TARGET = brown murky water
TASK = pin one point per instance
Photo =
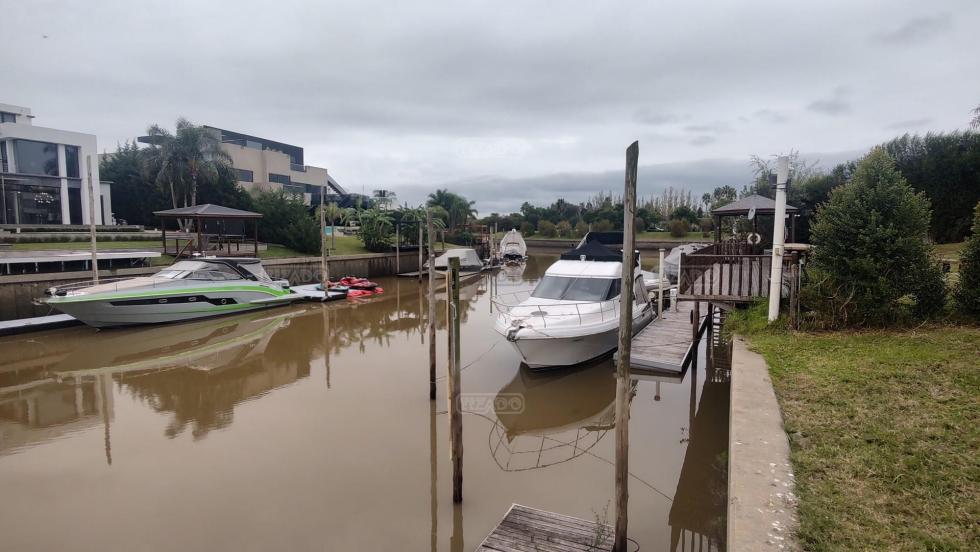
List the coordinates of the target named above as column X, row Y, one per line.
column 310, row 428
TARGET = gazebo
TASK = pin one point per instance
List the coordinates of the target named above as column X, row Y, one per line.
column 758, row 205
column 214, row 218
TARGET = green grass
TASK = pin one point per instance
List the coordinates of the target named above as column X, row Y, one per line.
column 884, row 433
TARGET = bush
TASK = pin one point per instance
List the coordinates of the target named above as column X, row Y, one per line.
column 968, row 288
column 581, row 229
column 679, row 228
column 603, row 226
column 871, row 262
column 527, row 229
column 285, row 220
column 547, row 229
column 376, row 230
column 564, row 229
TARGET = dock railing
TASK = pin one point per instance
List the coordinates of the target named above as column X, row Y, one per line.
column 730, row 272
column 511, row 307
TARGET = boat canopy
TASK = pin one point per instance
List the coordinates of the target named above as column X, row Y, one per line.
column 592, row 251
column 215, row 269
column 468, row 259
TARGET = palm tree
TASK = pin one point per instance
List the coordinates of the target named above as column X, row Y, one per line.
column 456, row 206
column 335, row 213
column 181, row 159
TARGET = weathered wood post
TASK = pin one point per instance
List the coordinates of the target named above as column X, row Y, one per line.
column 420, row 250
column 625, row 337
column 454, row 397
column 324, row 269
column 794, row 290
column 660, row 285
column 778, row 237
column 432, row 306
column 695, row 320
column 398, row 250
column 91, row 220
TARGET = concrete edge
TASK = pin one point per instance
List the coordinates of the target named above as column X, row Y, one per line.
column 762, row 504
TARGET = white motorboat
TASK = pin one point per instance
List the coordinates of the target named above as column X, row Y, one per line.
column 513, row 250
column 572, row 316
column 186, row 290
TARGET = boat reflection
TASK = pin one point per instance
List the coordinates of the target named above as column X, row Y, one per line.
column 544, row 419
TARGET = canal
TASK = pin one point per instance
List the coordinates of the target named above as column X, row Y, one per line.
column 309, row 428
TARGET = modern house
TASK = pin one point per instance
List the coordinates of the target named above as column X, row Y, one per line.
column 45, row 172
column 263, row 164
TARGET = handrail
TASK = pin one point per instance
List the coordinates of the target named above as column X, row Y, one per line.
column 503, row 309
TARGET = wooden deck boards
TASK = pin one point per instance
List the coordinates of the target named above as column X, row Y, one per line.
column 667, row 342
column 532, row 530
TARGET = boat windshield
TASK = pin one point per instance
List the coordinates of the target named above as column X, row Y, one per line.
column 198, row 270
column 577, row 289
column 257, row 270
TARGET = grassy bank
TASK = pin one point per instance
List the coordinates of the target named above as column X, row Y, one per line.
column 883, row 433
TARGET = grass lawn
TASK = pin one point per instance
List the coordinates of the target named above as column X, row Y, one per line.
column 884, row 434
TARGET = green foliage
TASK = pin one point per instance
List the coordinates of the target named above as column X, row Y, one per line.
column 457, row 208
column 945, row 167
column 377, row 230
column 603, row 225
column 178, row 162
column 684, row 213
column 679, row 228
column 547, row 229
column 968, row 288
column 134, row 197
column 285, row 221
column 581, row 229
column 527, row 228
column 871, row 263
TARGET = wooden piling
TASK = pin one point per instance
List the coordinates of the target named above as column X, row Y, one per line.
column 324, row 268
column 660, row 285
column 695, row 320
column 91, row 220
column 454, row 396
column 398, row 250
column 432, row 306
column 625, row 337
column 420, row 251
column 794, row 290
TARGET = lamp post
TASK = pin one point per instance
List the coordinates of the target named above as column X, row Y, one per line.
column 778, row 231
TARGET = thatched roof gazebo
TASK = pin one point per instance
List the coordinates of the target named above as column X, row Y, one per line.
column 210, row 217
column 756, row 204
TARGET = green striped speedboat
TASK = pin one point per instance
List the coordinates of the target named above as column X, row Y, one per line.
column 186, row 290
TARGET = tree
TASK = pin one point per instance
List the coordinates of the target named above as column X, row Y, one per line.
column 527, row 229
column 564, row 228
column 871, row 253
column 134, row 198
column 975, row 123
column 684, row 212
column 179, row 161
column 376, row 229
column 457, row 207
column 334, row 213
column 679, row 228
column 945, row 167
column 968, row 288
column 286, row 221
column 547, row 229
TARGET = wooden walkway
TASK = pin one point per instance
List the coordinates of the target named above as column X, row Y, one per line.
column 666, row 343
column 532, row 530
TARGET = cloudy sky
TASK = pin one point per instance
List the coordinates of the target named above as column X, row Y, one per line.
column 504, row 101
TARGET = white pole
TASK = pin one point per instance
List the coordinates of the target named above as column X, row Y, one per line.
column 91, row 219
column 778, row 229
column 324, row 269
column 660, row 285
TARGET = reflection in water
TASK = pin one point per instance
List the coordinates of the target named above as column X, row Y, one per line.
column 334, row 443
column 545, row 419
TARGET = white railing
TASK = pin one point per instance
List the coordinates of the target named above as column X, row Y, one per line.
column 567, row 313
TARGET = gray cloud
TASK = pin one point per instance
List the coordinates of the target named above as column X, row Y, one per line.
column 406, row 96
column 917, row 29
column 909, row 124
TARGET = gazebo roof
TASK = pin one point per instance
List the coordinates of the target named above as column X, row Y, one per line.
column 763, row 206
column 207, row 210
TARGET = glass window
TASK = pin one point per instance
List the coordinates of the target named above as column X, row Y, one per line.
column 6, row 117
column 279, row 178
column 577, row 289
column 71, row 161
column 36, row 157
column 3, row 157
column 244, row 175
column 28, row 204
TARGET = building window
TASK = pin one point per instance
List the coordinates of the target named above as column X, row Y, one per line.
column 29, row 204
column 279, row 178
column 6, row 117
column 243, row 175
column 3, row 157
column 71, row 161
column 293, row 189
column 36, row 157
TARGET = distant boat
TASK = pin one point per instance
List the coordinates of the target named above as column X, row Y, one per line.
column 469, row 261
column 512, row 247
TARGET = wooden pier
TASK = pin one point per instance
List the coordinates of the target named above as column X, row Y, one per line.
column 533, row 530
column 667, row 343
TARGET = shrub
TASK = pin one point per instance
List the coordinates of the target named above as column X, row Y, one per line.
column 679, row 228
column 603, row 226
column 285, row 220
column 968, row 288
column 527, row 229
column 547, row 229
column 871, row 261
column 581, row 229
column 376, row 230
column 564, row 229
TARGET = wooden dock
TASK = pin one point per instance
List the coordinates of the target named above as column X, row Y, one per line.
column 533, row 530
column 667, row 343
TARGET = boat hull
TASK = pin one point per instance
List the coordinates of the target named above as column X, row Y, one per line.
column 547, row 352
column 164, row 307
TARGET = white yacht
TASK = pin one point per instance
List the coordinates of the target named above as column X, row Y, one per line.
column 469, row 261
column 513, row 250
column 572, row 315
column 186, row 290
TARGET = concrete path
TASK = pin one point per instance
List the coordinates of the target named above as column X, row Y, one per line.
column 761, row 501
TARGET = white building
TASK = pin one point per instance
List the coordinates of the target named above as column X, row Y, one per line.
column 44, row 173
